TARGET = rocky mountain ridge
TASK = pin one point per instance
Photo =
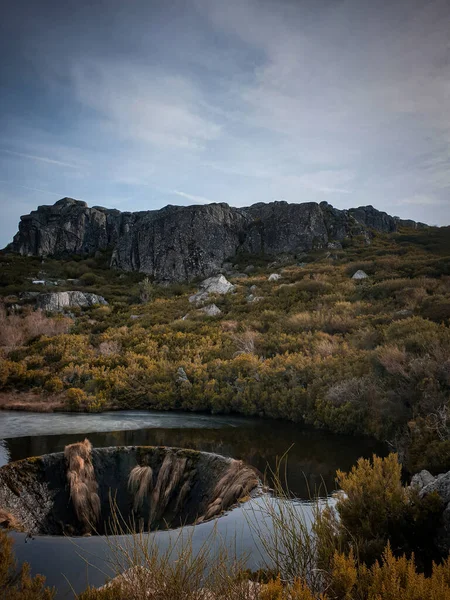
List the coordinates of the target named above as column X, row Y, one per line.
column 181, row 243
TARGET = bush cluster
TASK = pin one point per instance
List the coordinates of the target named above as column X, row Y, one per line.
column 355, row 357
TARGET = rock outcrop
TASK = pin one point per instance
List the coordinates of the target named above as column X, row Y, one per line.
column 59, row 301
column 426, row 484
column 181, row 243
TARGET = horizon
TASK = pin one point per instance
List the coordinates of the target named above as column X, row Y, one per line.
column 141, row 105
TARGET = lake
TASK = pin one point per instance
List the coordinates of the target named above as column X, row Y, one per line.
column 312, row 460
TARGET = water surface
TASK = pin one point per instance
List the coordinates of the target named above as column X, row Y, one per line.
column 313, row 458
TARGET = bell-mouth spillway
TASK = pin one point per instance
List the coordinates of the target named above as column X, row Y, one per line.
column 100, row 491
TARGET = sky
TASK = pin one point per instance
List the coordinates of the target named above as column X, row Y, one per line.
column 136, row 104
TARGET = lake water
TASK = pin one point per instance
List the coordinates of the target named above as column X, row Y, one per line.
column 312, row 461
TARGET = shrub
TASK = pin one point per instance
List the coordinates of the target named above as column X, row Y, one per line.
column 376, row 509
column 75, row 398
column 17, row 583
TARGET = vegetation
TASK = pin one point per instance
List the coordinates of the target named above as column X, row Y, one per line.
column 328, row 558
column 354, row 357
column 17, row 583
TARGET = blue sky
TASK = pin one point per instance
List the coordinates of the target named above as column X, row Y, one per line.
column 139, row 104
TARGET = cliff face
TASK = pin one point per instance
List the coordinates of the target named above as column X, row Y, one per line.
column 180, row 243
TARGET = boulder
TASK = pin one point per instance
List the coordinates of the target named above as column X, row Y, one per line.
column 334, row 246
column 199, row 298
column 439, row 484
column 59, row 301
column 427, row 484
column 274, row 277
column 211, row 310
column 360, row 274
column 218, row 284
column 182, row 376
column 422, row 479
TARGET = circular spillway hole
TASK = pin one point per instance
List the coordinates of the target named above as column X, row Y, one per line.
column 110, row 490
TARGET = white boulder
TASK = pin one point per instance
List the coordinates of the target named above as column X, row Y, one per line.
column 211, row 310
column 360, row 274
column 274, row 277
column 218, row 284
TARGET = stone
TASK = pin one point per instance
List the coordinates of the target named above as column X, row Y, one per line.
column 182, row 243
column 218, row 284
column 334, row 245
column 253, row 288
column 211, row 310
column 427, row 484
column 252, row 298
column 274, row 277
column 239, row 275
column 422, row 479
column 360, row 274
column 439, row 484
column 59, row 301
column 249, row 269
column 199, row 298
column 182, row 376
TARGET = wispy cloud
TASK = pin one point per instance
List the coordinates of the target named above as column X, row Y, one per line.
column 31, row 189
column 192, row 197
column 144, row 105
column 44, row 159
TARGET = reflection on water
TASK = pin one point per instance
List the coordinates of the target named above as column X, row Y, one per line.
column 5, row 456
column 313, row 458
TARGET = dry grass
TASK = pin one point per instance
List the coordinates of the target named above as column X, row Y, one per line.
column 246, row 342
column 169, row 477
column 9, row 521
column 237, row 482
column 16, row 330
column 82, row 483
column 145, row 572
column 28, row 401
column 140, row 482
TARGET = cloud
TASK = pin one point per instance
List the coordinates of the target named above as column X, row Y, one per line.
column 31, row 189
column 144, row 105
column 242, row 101
column 44, row 159
column 192, row 197
column 421, row 200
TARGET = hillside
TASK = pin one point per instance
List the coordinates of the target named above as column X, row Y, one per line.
column 364, row 356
